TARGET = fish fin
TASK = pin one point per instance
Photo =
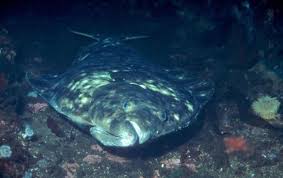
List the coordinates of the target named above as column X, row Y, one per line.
column 128, row 38
column 201, row 89
column 43, row 85
column 87, row 35
column 198, row 84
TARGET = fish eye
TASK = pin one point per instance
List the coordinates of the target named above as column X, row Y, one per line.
column 125, row 104
column 164, row 116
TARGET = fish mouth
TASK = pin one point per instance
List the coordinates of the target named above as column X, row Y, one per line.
column 122, row 135
column 143, row 135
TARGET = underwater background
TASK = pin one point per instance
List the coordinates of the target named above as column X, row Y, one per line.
column 237, row 44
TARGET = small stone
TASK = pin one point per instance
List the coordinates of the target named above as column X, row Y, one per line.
column 32, row 94
column 43, row 163
column 27, row 174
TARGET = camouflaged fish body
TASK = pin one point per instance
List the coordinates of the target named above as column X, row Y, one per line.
column 121, row 99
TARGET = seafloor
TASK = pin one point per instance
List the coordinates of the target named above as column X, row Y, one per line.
column 228, row 140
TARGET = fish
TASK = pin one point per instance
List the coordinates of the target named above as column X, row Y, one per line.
column 121, row 98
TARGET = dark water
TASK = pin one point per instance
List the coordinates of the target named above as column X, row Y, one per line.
column 239, row 48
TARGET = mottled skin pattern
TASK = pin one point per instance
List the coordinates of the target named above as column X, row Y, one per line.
column 121, row 99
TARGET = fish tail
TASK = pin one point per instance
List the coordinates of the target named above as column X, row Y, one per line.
column 43, row 85
column 202, row 90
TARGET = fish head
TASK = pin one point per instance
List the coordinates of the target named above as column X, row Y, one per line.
column 126, row 115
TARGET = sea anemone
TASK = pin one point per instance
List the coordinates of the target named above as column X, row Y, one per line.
column 266, row 107
column 5, row 151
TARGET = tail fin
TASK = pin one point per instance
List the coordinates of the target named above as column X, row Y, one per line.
column 43, row 85
column 202, row 90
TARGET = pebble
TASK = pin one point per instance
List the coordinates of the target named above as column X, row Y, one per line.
column 32, row 94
